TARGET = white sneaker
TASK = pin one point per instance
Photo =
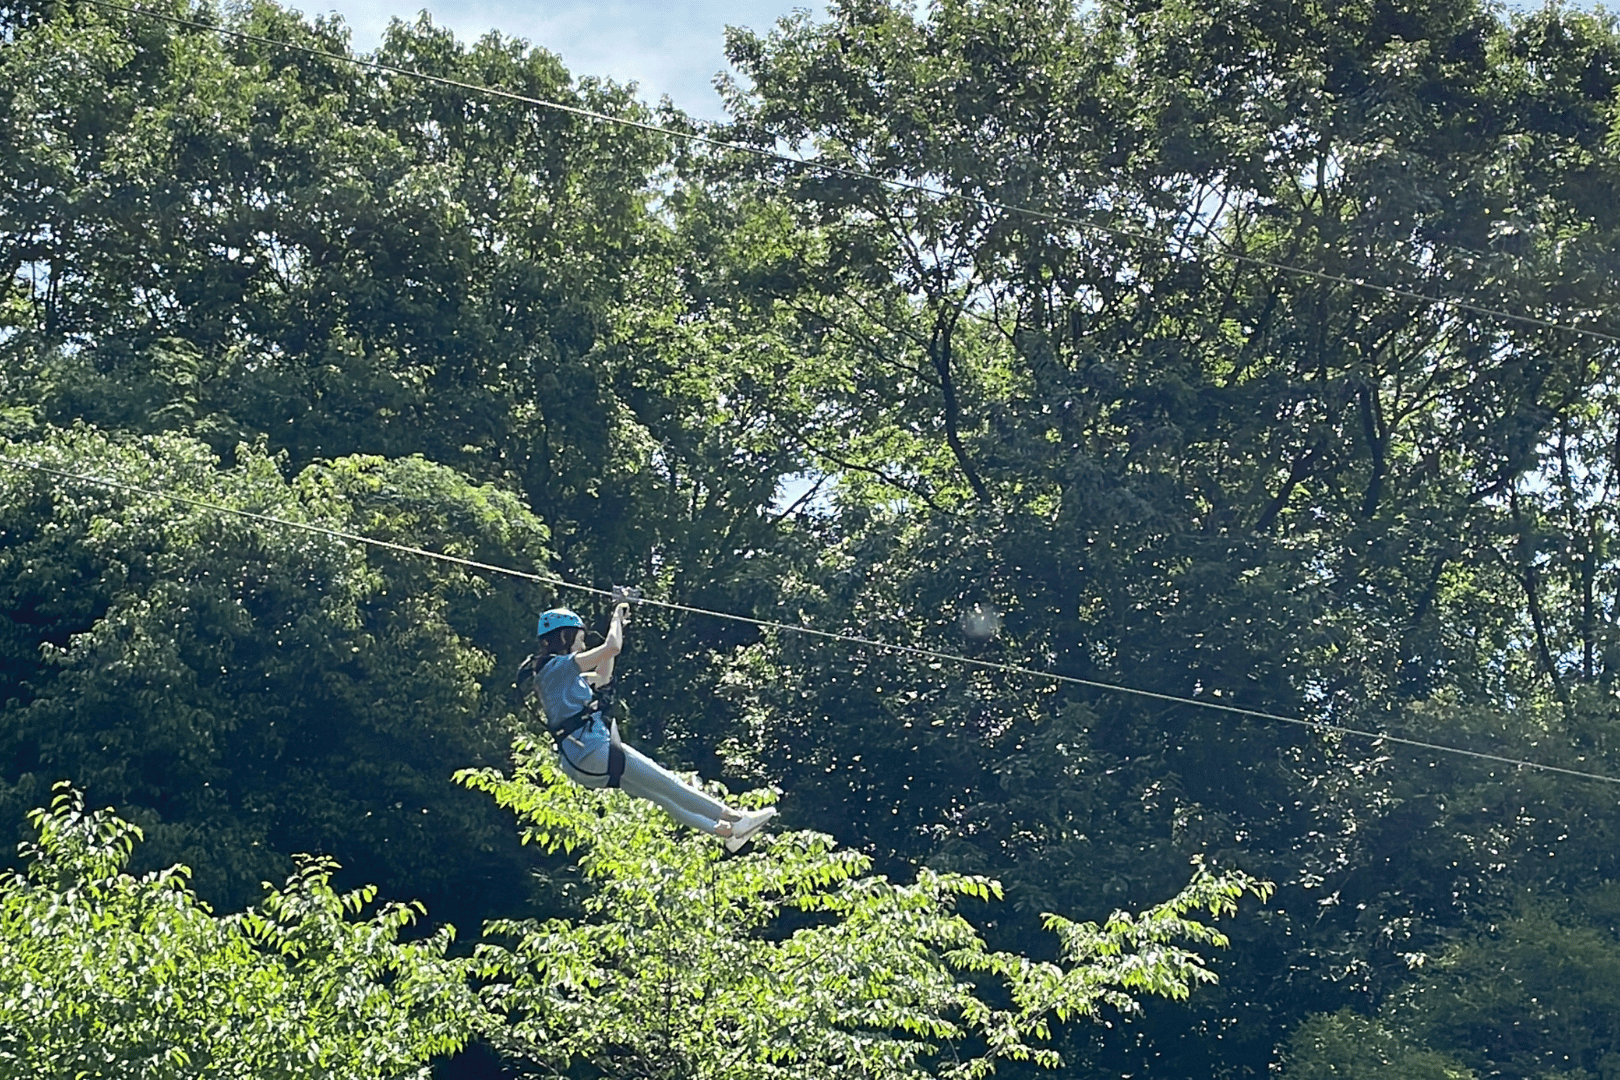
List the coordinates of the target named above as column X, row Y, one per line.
column 744, row 828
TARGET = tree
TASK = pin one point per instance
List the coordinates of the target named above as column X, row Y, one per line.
column 1177, row 466
column 104, row 975
column 1122, row 426
column 244, row 689
column 1530, row 995
column 796, row 960
column 1344, row 1046
column 233, row 239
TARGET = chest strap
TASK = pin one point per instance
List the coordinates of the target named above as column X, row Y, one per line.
column 601, row 701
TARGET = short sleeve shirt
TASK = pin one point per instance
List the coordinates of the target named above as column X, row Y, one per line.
column 563, row 689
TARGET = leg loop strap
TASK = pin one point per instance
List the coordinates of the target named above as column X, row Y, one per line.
column 615, row 761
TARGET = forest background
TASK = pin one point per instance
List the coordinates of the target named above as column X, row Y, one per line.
column 1187, row 427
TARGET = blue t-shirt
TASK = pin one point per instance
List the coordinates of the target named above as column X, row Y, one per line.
column 563, row 689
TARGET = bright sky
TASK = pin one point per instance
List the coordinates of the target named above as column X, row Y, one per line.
column 672, row 47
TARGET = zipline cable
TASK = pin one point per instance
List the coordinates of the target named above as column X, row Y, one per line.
column 830, row 635
column 909, row 186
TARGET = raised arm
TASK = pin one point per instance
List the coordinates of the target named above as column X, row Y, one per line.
column 597, row 664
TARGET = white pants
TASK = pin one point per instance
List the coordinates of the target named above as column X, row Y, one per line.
column 585, row 759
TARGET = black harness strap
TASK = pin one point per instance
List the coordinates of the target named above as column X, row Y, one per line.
column 615, row 755
column 601, row 701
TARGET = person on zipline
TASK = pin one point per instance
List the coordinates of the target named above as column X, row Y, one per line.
column 574, row 685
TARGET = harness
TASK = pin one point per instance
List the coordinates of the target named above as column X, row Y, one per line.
column 602, row 698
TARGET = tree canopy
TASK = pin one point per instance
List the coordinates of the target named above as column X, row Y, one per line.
column 797, row 962
column 106, row 974
column 1249, row 353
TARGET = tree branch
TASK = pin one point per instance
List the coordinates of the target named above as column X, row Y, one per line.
column 871, row 470
column 1531, row 581
column 939, row 351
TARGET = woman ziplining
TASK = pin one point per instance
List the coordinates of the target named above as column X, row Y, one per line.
column 573, row 684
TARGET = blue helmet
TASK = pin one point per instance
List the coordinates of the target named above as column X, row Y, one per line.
column 557, row 618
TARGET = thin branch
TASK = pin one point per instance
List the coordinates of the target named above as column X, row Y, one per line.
column 872, row 470
column 777, row 519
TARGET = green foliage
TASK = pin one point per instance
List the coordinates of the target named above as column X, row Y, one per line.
column 1344, row 1046
column 1537, row 994
column 1174, row 465
column 1164, row 460
column 246, row 690
column 104, row 975
column 219, row 236
column 796, row 960
column 1530, row 997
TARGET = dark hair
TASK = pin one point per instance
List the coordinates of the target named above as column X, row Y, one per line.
column 559, row 642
